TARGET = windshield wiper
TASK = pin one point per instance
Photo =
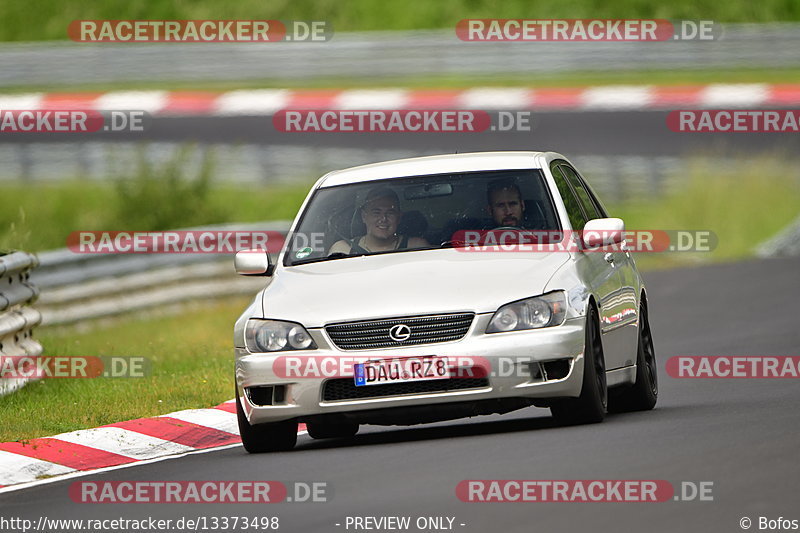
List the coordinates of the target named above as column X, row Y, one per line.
column 336, row 255
column 453, row 244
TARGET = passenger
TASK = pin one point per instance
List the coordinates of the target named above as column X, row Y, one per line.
column 381, row 214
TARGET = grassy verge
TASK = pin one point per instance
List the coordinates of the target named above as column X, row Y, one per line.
column 40, row 217
column 37, row 216
column 573, row 79
column 743, row 208
column 191, row 366
column 48, row 19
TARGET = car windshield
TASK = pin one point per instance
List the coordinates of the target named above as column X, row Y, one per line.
column 417, row 213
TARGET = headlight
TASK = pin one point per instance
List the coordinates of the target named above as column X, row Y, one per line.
column 276, row 336
column 531, row 313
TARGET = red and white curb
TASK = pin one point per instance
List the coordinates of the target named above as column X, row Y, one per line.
column 117, row 445
column 270, row 101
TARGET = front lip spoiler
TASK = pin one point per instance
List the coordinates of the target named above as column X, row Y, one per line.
column 425, row 414
column 398, row 397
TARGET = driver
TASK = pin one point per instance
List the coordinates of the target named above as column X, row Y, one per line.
column 381, row 215
column 505, row 203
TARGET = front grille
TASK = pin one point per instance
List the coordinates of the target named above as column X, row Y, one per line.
column 345, row 388
column 375, row 333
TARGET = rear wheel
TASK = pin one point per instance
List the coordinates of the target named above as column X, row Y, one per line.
column 331, row 430
column 271, row 437
column 642, row 396
column 590, row 407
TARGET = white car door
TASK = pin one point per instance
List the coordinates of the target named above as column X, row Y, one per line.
column 598, row 268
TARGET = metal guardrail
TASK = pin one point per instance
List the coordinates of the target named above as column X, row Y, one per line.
column 375, row 55
column 16, row 318
column 77, row 287
column 785, row 243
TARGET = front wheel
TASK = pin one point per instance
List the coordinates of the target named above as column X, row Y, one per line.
column 270, row 437
column 642, row 396
column 590, row 407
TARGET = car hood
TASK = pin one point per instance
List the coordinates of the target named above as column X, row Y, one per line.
column 406, row 283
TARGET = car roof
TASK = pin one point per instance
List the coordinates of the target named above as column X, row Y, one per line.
column 437, row 164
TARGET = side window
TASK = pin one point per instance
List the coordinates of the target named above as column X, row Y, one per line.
column 600, row 207
column 595, row 200
column 576, row 217
column 586, row 201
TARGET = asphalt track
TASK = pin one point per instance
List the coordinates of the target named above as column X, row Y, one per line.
column 641, row 133
column 742, row 435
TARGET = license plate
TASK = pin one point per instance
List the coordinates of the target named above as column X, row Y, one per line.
column 401, row 370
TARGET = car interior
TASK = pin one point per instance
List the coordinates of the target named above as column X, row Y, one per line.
column 434, row 207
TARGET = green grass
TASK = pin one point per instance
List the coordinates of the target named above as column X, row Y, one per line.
column 37, row 217
column 191, row 363
column 48, row 19
column 743, row 208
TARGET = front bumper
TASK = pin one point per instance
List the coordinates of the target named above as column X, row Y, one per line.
column 508, row 356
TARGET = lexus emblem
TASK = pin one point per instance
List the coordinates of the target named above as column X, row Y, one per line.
column 399, row 332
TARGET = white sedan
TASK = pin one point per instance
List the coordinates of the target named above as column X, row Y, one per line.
column 443, row 287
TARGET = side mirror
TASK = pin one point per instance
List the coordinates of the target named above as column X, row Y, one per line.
column 253, row 263
column 603, row 232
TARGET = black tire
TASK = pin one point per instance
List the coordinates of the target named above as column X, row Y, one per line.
column 643, row 395
column 591, row 406
column 331, row 430
column 260, row 438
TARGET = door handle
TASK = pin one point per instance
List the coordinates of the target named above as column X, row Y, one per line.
column 609, row 257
